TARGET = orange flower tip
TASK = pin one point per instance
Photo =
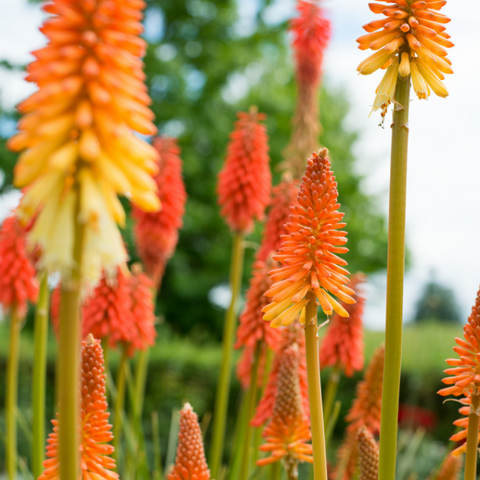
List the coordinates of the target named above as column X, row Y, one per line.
column 90, row 340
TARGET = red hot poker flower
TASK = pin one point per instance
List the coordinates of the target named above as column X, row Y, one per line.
column 342, row 346
column 96, row 464
column 309, row 263
column 156, row 233
column 18, row 283
column 311, row 36
column 190, row 463
column 288, row 431
column 245, row 181
column 367, row 455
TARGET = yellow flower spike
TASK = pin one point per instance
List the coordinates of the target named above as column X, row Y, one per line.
column 432, row 80
column 374, row 62
column 386, row 89
column 419, row 85
column 404, row 69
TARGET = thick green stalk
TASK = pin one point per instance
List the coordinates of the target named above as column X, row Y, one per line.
column 395, row 274
column 472, row 440
column 12, row 394
column 315, row 390
column 331, row 393
column 223, row 388
column 69, row 366
column 120, row 402
column 39, row 375
column 252, row 402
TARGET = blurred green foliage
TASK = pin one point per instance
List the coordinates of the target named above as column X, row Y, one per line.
column 204, row 63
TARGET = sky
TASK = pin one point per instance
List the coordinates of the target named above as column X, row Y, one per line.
column 443, row 197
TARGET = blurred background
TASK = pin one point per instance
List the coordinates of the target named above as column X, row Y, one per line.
column 208, row 59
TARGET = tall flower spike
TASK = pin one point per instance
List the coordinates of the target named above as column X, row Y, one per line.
column 156, row 233
column 308, row 251
column 411, row 40
column 18, row 283
column 190, row 463
column 449, row 470
column 245, row 181
column 366, row 407
column 95, row 429
column 288, row 431
column 79, row 148
column 289, row 336
column 367, row 455
column 342, row 346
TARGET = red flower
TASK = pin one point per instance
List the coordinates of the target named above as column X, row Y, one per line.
column 18, row 283
column 414, row 417
column 289, row 336
column 311, row 34
column 95, row 429
column 342, row 346
column 245, row 181
column 284, row 196
column 156, row 233
column 190, row 463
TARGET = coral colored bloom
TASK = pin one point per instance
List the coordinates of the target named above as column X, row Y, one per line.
column 190, row 463
column 289, row 336
column 342, row 346
column 77, row 134
column 18, row 283
column 411, row 40
column 367, row 455
column 245, row 180
column 284, row 195
column 156, row 233
column 288, row 431
column 366, row 407
column 96, row 464
column 308, row 251
column 449, row 470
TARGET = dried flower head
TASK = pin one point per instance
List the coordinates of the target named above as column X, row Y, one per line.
column 411, row 40
column 79, row 149
column 190, row 463
column 342, row 346
column 367, row 405
column 288, row 431
column 289, row 336
column 245, row 180
column 156, row 233
column 307, row 254
column 18, row 283
column 367, row 455
column 96, row 464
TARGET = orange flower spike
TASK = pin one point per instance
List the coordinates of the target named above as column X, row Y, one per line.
column 190, row 463
column 96, row 434
column 342, row 346
column 245, row 181
column 367, row 455
column 18, row 283
column 449, row 470
column 366, row 407
column 308, row 252
column 288, row 431
column 156, row 233
column 410, row 41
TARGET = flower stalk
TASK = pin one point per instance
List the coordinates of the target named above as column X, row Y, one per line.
column 331, row 393
column 223, row 389
column 315, row 389
column 120, row 402
column 472, row 439
column 39, row 374
column 395, row 277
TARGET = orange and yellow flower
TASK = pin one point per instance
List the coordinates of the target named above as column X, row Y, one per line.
column 307, row 254
column 190, row 463
column 77, row 136
column 411, row 40
column 288, row 431
column 96, row 434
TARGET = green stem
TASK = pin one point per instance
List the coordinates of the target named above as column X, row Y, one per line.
column 39, row 374
column 252, row 402
column 223, row 389
column 12, row 394
column 69, row 366
column 120, row 402
column 331, row 393
column 472, row 440
column 157, row 456
column 315, row 390
column 141, row 370
column 395, row 274
column 106, row 358
column 275, row 471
